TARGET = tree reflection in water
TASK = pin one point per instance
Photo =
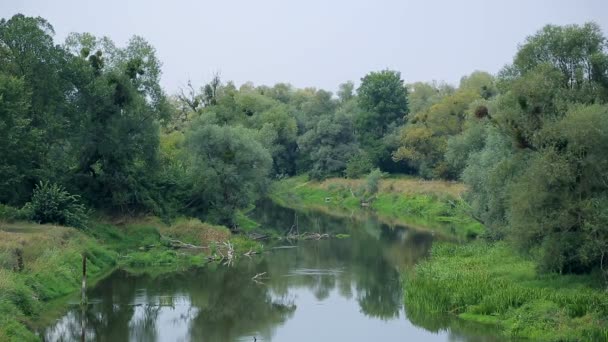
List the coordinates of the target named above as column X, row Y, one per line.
column 218, row 303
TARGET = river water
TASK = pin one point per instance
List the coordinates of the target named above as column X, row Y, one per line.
column 346, row 289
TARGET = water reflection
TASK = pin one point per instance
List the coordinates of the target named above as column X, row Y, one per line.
column 336, row 289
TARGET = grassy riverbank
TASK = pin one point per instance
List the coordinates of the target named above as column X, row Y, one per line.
column 480, row 282
column 432, row 205
column 48, row 264
column 493, row 284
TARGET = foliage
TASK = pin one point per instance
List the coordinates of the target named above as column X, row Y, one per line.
column 578, row 52
column 372, row 182
column 424, row 141
column 51, row 203
column 537, row 177
column 492, row 284
column 52, row 259
column 91, row 119
column 430, row 205
column 358, row 165
column 329, row 146
column 382, row 97
column 226, row 169
column 18, row 139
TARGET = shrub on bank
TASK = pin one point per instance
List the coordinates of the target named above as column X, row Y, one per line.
column 51, row 203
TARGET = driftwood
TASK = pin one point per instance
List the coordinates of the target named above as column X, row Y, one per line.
column 257, row 236
column 258, row 277
column 174, row 243
column 250, row 253
column 307, row 236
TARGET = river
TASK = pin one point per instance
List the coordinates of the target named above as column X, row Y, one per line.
column 339, row 289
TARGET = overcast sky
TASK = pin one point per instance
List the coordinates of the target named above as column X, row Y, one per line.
column 319, row 43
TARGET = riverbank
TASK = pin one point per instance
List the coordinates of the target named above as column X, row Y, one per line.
column 479, row 282
column 41, row 263
column 492, row 284
column 428, row 205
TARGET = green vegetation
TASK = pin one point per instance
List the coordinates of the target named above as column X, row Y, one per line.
column 52, row 204
column 492, row 284
column 87, row 132
column 433, row 205
column 39, row 263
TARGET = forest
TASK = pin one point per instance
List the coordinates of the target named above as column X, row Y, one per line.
column 87, row 131
column 86, row 126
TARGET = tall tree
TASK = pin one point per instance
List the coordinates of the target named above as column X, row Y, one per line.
column 227, row 169
column 383, row 97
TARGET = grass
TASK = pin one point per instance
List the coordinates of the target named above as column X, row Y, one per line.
column 51, row 269
column 195, row 232
column 430, row 205
column 52, row 259
column 494, row 285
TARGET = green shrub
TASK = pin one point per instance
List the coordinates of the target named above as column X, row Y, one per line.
column 11, row 214
column 51, row 203
column 359, row 165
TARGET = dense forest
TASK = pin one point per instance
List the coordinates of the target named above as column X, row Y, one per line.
column 87, row 130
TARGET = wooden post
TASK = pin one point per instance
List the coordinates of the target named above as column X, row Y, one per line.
column 83, row 300
column 19, row 254
column 84, row 279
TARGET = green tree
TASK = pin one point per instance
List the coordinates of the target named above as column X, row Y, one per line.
column 346, row 91
column 539, row 178
column 19, row 141
column 424, row 139
column 38, row 77
column 382, row 96
column 227, row 170
column 578, row 52
column 329, row 145
column 117, row 146
column 421, row 95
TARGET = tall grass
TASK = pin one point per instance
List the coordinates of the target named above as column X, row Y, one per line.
column 51, row 258
column 434, row 205
column 492, row 284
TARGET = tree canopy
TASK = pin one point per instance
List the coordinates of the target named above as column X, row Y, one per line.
column 89, row 118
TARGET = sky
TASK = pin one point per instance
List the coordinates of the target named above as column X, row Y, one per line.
column 316, row 43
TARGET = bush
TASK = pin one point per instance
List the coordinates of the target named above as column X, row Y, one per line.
column 11, row 214
column 371, row 186
column 359, row 165
column 51, row 203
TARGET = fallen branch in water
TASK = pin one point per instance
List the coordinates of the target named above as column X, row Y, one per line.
column 256, row 278
column 174, row 243
column 307, row 236
column 250, row 253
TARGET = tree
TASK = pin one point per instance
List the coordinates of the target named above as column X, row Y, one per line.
column 329, row 146
column 346, row 91
column 37, row 81
column 383, row 97
column 422, row 95
column 578, row 52
column 19, row 141
column 117, row 145
column 539, row 180
column 423, row 141
column 226, row 169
